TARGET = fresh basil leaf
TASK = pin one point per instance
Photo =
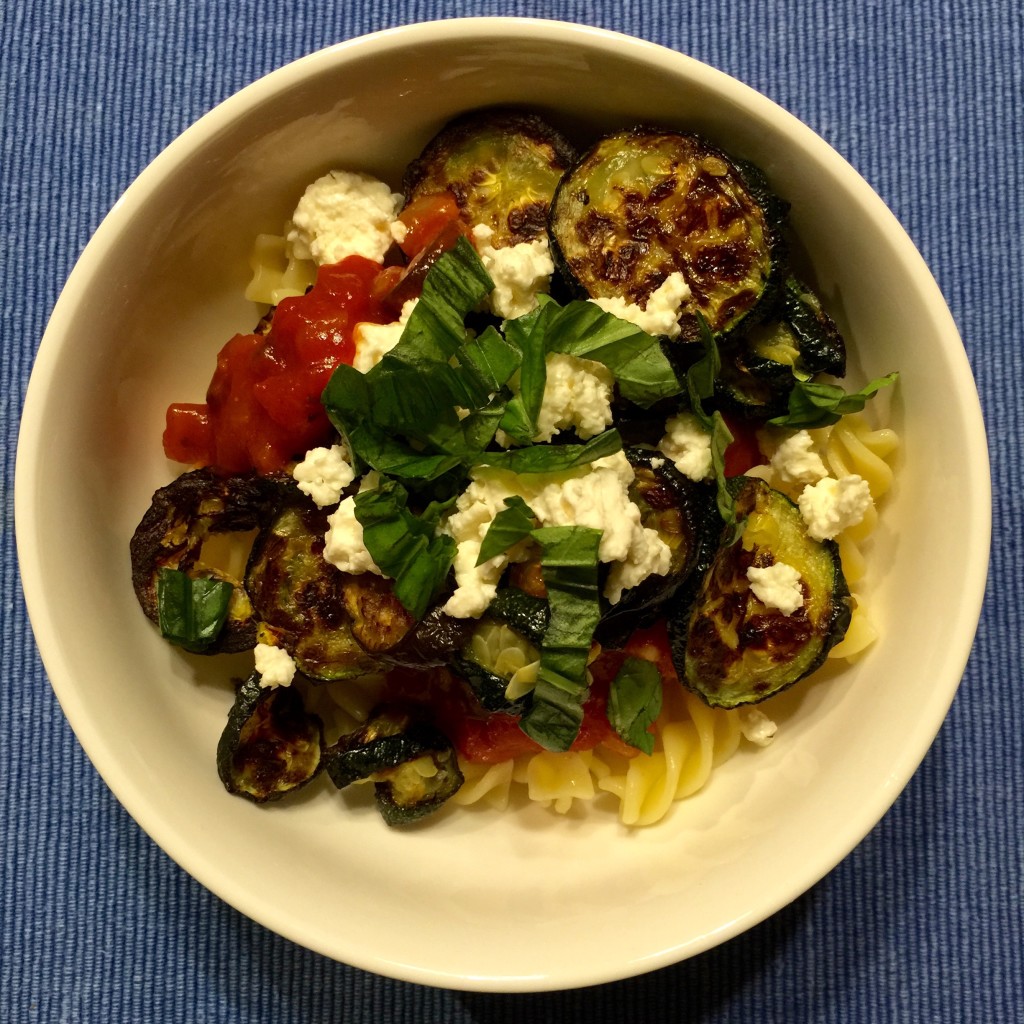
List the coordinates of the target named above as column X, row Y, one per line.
column 552, row 458
column 527, row 333
column 454, row 286
column 814, row 404
column 405, row 547
column 634, row 702
column 700, row 385
column 493, row 358
column 191, row 612
column 569, row 566
column 514, row 522
column 642, row 371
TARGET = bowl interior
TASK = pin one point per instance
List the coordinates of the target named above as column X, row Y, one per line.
column 526, row 900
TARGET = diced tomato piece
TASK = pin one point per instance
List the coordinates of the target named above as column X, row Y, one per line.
column 744, row 452
column 424, row 218
column 263, row 403
column 188, row 436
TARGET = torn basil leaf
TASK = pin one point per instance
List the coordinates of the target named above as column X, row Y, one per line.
column 553, row 458
column 513, row 523
column 569, row 566
column 405, row 546
column 634, row 702
column 191, row 611
column 814, row 404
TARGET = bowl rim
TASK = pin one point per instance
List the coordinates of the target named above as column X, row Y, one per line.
column 55, row 338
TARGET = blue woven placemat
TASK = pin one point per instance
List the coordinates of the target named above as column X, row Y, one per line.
column 923, row 921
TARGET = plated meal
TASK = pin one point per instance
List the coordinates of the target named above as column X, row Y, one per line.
column 536, row 477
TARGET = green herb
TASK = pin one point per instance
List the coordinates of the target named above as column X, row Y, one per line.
column 700, row 386
column 511, row 525
column 641, row 369
column 527, row 333
column 820, row 405
column 405, row 546
column 569, row 564
column 552, row 458
column 634, row 702
column 191, row 611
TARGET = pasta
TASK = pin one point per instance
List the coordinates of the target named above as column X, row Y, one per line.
column 276, row 275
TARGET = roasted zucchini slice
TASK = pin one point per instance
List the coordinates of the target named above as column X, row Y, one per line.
column 685, row 517
column 732, row 649
column 271, row 745
column 302, row 599
column 804, row 342
column 496, row 657
column 760, row 368
column 178, row 522
column 411, row 763
column 502, row 166
column 643, row 204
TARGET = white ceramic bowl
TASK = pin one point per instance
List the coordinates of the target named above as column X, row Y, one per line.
column 528, row 900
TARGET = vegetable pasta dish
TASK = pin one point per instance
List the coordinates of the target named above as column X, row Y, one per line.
column 534, row 481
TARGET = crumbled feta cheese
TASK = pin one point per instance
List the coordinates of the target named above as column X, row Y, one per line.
column 796, row 462
column 577, row 396
column 374, row 341
column 756, row 726
column 661, row 313
column 343, row 214
column 343, row 542
column 831, row 506
column 688, row 445
column 274, row 665
column 777, row 586
column 519, row 272
column 595, row 495
column 324, row 473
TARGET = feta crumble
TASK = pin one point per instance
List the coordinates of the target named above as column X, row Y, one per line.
column 577, row 396
column 777, row 586
column 831, row 506
column 688, row 445
column 343, row 542
column 274, row 665
column 795, row 461
column 323, row 474
column 594, row 496
column 519, row 272
column 343, row 213
column 374, row 341
column 661, row 313
column 756, row 726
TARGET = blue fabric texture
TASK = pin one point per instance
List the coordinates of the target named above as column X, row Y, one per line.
column 923, row 921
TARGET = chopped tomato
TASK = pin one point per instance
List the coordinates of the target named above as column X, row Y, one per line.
column 424, row 219
column 188, row 436
column 743, row 453
column 263, row 403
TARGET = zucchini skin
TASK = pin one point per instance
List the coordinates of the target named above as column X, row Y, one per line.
column 270, row 745
column 760, row 367
column 302, row 600
column 730, row 649
column 180, row 517
column 502, row 166
column 685, row 516
column 386, row 751
column 642, row 204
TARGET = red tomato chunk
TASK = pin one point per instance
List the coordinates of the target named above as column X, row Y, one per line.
column 263, row 404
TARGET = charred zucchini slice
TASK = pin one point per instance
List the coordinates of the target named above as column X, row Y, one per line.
column 502, row 166
column 804, row 342
column 412, row 764
column 643, row 204
column 684, row 515
column 177, row 523
column 760, row 368
column 302, row 598
column 734, row 649
column 271, row 745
